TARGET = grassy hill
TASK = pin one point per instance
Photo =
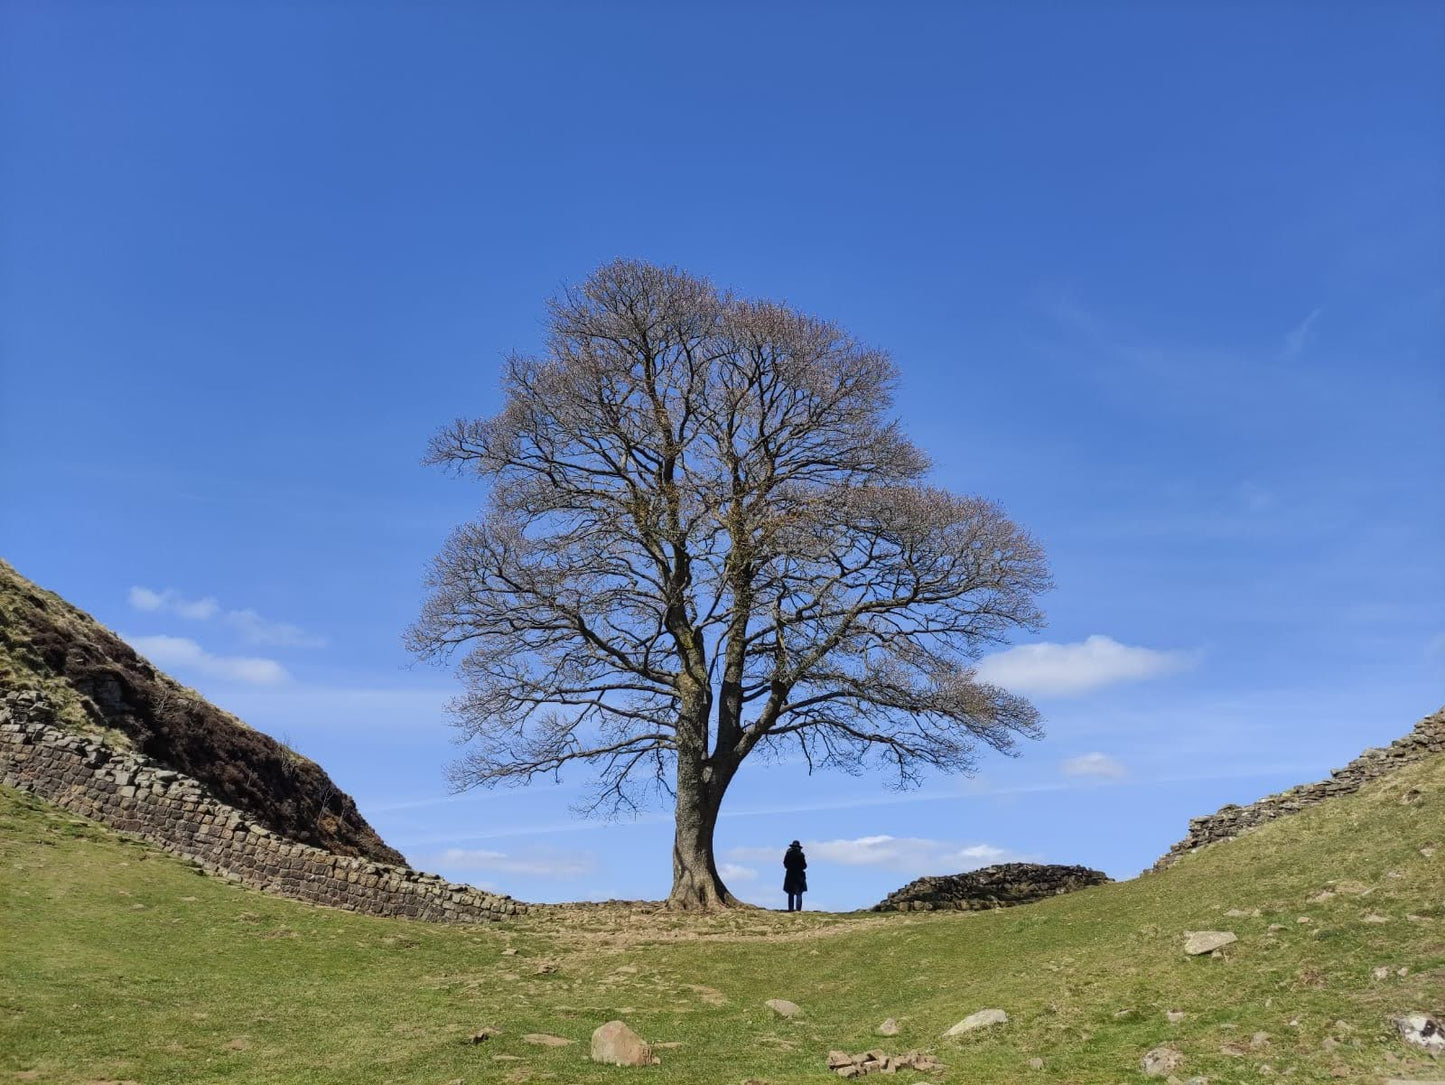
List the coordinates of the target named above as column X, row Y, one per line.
column 123, row 964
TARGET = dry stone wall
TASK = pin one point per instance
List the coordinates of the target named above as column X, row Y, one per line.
column 1427, row 739
column 1000, row 886
column 134, row 795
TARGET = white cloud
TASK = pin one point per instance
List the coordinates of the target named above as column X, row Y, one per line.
column 1300, row 335
column 253, row 628
column 1063, row 670
column 736, row 872
column 1094, row 764
column 182, row 652
column 540, row 863
column 257, row 630
column 906, row 854
column 196, row 609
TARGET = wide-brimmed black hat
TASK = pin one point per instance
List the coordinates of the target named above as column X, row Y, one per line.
column 795, row 844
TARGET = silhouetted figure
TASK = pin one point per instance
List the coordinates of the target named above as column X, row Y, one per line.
column 795, row 882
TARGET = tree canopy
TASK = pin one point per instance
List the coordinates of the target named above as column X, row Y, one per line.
column 705, row 535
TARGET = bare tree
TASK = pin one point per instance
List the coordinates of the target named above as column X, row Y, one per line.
column 704, row 537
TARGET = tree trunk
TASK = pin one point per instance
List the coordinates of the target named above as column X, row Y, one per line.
column 695, row 880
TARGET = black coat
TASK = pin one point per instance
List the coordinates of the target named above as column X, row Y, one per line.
column 794, row 862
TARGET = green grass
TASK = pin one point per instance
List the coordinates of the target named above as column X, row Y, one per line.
column 121, row 963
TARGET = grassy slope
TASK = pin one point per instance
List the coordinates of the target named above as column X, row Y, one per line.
column 119, row 962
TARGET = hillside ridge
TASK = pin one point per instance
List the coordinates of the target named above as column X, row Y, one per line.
column 1427, row 737
column 98, row 684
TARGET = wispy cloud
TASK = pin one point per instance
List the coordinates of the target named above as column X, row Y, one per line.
column 186, row 654
column 1099, row 765
column 170, row 602
column 253, row 628
column 538, row 864
column 736, row 872
column 905, row 854
column 1300, row 335
column 1065, row 670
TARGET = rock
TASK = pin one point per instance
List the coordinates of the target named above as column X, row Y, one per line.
column 981, row 1019
column 482, row 1035
column 839, row 1058
column 1036, row 1064
column 509, row 952
column 1174, row 1016
column 848, row 1071
column 1160, row 1061
column 617, row 1045
column 543, row 1039
column 1380, row 973
column 1422, row 1030
column 888, row 1028
column 1259, row 1040
column 1198, row 942
column 997, row 886
column 783, row 1008
column 1375, row 917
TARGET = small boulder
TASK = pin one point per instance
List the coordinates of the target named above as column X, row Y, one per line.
column 981, row 1019
column 617, row 1045
column 783, row 1008
column 888, row 1028
column 482, row 1035
column 1161, row 1061
column 1198, row 942
column 1422, row 1030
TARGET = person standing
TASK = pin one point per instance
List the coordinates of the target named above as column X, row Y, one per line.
column 795, row 882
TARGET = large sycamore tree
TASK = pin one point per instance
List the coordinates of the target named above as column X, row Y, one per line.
column 706, row 537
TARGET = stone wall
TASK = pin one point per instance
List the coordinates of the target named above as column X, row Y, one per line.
column 1427, row 738
column 134, row 795
column 998, row 886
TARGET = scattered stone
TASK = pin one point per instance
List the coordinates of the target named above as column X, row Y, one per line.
column 543, row 1039
column 1375, row 917
column 239, row 1044
column 783, row 1008
column 981, row 1019
column 1259, row 1040
column 509, row 952
column 545, row 968
column 1161, row 1060
column 1382, row 972
column 1036, row 1064
column 617, row 1045
column 1240, row 913
column 880, row 1062
column 1422, row 1030
column 1119, row 1015
column 1174, row 1016
column 1198, row 942
column 1233, row 1050
column 889, row 1028
column 482, row 1035
column 1276, row 926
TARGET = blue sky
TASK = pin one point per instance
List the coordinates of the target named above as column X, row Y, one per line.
column 1165, row 280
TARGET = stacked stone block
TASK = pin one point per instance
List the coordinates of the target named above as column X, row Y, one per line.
column 132, row 794
column 1000, row 886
